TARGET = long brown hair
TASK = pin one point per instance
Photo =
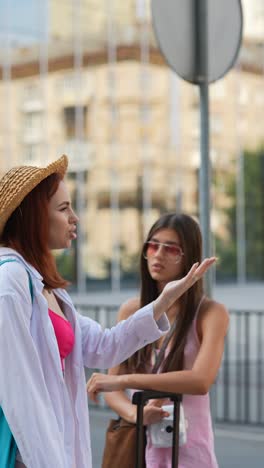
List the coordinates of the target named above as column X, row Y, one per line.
column 191, row 241
column 27, row 231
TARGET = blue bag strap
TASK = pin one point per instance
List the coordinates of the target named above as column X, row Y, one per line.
column 29, row 277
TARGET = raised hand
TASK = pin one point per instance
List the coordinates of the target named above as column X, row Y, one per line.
column 173, row 290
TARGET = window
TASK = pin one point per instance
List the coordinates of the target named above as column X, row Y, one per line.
column 243, row 95
column 259, row 96
column 32, row 92
column 195, row 123
column 71, row 121
column 218, row 90
column 143, row 10
column 33, row 121
column 145, row 113
column 216, row 124
column 31, row 153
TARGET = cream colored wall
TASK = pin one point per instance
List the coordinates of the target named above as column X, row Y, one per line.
column 93, row 18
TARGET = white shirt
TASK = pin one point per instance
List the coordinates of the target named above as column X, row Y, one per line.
column 48, row 413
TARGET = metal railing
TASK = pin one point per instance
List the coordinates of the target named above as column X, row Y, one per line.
column 238, row 394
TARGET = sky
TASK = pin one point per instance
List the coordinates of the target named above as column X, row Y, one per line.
column 24, row 20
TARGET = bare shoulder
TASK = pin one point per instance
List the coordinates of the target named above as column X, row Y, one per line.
column 214, row 312
column 128, row 308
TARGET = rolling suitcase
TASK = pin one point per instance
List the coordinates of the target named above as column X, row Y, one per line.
column 140, row 399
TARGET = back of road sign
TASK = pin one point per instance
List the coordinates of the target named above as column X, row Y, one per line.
column 175, row 25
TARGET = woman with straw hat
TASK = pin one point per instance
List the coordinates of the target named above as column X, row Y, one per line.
column 44, row 342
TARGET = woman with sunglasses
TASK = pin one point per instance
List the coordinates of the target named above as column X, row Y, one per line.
column 193, row 354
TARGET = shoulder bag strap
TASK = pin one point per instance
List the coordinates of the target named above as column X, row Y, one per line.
column 165, row 343
column 29, row 277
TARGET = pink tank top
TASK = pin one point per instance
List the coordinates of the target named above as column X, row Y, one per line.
column 198, row 452
column 64, row 334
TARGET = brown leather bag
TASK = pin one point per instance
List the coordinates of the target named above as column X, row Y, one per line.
column 120, row 444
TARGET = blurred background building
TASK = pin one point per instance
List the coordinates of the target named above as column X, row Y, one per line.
column 86, row 78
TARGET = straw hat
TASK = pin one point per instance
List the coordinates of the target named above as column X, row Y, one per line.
column 19, row 181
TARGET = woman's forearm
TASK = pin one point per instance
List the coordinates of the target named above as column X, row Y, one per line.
column 120, row 403
column 185, row 382
column 160, row 305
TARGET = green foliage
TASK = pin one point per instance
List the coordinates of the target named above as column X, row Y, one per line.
column 129, row 263
column 254, row 221
column 65, row 261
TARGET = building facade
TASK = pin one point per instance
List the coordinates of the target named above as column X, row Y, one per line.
column 102, row 94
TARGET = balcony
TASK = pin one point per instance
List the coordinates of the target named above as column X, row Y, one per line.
column 32, row 105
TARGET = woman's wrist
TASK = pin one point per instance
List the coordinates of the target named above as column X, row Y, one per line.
column 124, row 381
column 160, row 305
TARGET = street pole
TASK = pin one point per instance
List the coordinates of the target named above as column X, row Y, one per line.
column 145, row 116
column 79, row 139
column 201, row 41
column 113, row 148
column 240, row 193
column 8, row 154
column 240, row 219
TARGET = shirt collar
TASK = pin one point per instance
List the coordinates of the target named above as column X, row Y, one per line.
column 64, row 296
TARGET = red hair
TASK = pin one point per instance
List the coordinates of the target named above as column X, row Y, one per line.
column 27, row 231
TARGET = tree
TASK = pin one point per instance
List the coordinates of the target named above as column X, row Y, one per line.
column 254, row 221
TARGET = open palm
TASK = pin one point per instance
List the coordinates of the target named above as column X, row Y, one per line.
column 174, row 289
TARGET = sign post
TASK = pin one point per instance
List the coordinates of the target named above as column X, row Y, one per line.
column 200, row 41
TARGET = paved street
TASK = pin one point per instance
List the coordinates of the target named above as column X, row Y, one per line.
column 235, row 447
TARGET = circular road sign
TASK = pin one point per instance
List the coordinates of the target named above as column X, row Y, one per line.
column 176, row 26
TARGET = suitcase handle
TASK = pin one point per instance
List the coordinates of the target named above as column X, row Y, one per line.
column 140, row 399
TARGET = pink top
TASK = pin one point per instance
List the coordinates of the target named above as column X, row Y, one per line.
column 64, row 334
column 198, row 452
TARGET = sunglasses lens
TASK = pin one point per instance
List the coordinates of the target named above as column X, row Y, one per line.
column 173, row 252
column 152, row 248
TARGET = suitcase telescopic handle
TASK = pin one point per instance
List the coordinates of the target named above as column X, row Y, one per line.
column 140, row 399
